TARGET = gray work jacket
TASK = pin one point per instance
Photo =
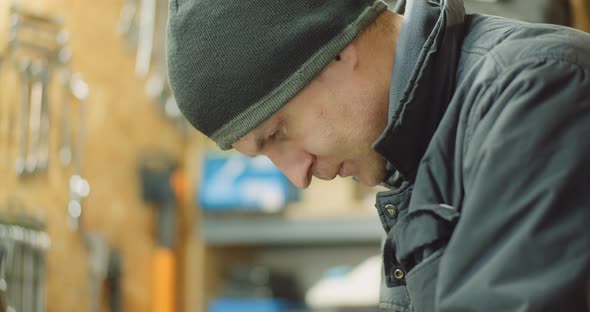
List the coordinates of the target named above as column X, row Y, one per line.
column 489, row 136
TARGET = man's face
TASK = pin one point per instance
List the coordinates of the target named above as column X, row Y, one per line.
column 327, row 130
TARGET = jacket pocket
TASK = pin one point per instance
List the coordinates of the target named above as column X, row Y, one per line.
column 419, row 240
column 422, row 232
column 421, row 283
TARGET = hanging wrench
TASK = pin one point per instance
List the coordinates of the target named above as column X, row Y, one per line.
column 51, row 48
column 147, row 20
column 42, row 245
column 98, row 264
column 28, row 271
column 65, row 138
column 6, row 279
column 24, row 67
column 3, row 263
column 79, row 187
column 35, row 117
column 43, row 145
column 15, row 284
column 15, row 42
column 35, row 16
column 127, row 27
column 4, row 124
column 65, row 144
column 41, row 34
column 113, row 280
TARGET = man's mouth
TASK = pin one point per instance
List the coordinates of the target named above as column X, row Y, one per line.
column 341, row 172
column 325, row 176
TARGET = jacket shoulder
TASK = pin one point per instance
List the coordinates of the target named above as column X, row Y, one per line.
column 509, row 41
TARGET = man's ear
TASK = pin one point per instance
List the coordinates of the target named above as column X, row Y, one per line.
column 349, row 55
column 342, row 67
column 343, row 64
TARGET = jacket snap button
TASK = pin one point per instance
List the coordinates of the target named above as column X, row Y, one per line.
column 390, row 210
column 398, row 274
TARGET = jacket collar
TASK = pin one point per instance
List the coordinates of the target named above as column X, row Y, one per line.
column 423, row 80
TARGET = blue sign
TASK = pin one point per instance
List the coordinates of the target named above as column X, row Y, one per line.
column 233, row 182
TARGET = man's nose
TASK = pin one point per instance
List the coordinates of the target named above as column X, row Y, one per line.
column 296, row 164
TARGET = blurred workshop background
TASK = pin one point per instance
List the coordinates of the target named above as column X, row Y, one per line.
column 109, row 201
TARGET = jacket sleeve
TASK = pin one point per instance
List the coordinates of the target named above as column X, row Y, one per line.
column 522, row 242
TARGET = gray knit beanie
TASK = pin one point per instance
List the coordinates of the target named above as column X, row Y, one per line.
column 233, row 63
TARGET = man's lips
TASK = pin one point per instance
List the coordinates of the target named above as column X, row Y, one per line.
column 311, row 171
column 323, row 176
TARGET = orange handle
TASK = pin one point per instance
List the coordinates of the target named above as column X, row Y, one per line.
column 164, row 283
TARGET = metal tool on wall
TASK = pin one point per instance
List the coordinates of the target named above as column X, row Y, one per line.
column 104, row 268
column 36, row 48
column 97, row 245
column 157, row 87
column 147, row 19
column 79, row 186
column 23, row 248
column 143, row 26
column 24, row 68
column 65, row 135
column 3, row 285
column 128, row 24
column 98, row 264
column 104, row 262
column 113, row 280
column 38, row 150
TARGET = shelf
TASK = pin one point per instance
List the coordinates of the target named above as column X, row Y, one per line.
column 267, row 231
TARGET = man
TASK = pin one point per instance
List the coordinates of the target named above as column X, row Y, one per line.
column 480, row 127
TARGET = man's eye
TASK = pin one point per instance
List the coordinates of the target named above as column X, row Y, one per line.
column 277, row 134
